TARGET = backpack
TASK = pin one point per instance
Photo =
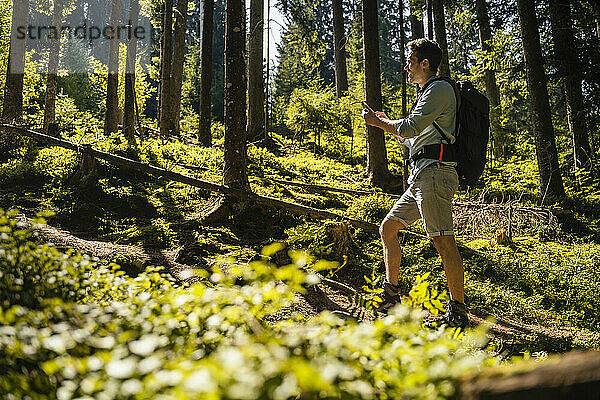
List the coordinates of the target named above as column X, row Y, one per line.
column 472, row 133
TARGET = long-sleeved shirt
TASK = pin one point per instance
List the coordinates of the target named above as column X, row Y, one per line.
column 436, row 103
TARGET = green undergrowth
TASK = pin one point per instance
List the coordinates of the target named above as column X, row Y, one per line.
column 546, row 276
column 74, row 327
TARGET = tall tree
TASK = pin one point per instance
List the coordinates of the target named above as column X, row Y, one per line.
column 129, row 106
column 234, row 170
column 166, row 57
column 491, row 86
column 377, row 167
column 551, row 184
column 596, row 8
column 204, row 119
column 51, row 79
column 429, row 8
column 178, row 61
column 256, row 83
column 405, row 153
column 567, row 62
column 439, row 19
column 417, row 28
column 339, row 44
column 12, row 108
column 111, row 117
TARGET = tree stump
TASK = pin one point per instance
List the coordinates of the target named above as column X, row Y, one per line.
column 87, row 169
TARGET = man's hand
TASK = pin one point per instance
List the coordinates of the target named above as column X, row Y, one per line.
column 371, row 117
column 380, row 120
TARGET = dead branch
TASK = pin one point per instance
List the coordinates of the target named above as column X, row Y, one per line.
column 321, row 187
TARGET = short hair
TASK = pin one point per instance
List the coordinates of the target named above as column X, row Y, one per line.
column 425, row 48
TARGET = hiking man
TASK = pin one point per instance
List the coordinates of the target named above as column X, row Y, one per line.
column 432, row 183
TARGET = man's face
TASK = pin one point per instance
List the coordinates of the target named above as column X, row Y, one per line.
column 416, row 69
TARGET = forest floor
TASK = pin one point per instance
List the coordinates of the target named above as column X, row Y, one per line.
column 532, row 272
column 510, row 335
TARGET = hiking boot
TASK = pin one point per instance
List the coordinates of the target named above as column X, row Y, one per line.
column 389, row 296
column 455, row 316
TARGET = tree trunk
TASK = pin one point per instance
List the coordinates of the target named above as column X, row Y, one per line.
column 551, row 184
column 268, row 72
column 491, row 87
column 204, row 118
column 405, row 153
column 111, row 117
column 165, row 119
column 377, row 168
column 440, row 36
column 567, row 62
column 339, row 49
column 178, row 60
column 428, row 6
column 129, row 104
column 256, row 83
column 13, row 90
column 51, row 80
column 596, row 8
column 417, row 28
column 234, row 173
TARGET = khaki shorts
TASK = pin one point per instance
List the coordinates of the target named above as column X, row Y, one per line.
column 429, row 197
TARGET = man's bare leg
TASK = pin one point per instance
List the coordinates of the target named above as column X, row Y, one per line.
column 392, row 253
column 453, row 265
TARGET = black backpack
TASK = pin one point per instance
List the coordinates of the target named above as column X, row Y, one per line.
column 472, row 133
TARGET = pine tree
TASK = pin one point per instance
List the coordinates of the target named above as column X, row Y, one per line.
column 204, row 118
column 567, row 62
column 377, row 167
column 551, row 184
column 234, row 172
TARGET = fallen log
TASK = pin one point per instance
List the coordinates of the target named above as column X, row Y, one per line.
column 574, row 375
column 174, row 176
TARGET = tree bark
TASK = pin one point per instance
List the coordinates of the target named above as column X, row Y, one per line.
column 405, row 153
column 256, row 83
column 596, row 8
column 111, row 117
column 178, row 61
column 567, row 62
column 377, row 168
column 339, row 49
column 491, row 86
column 166, row 63
column 440, row 36
column 12, row 108
column 429, row 8
column 574, row 375
column 551, row 184
column 51, row 80
column 129, row 104
column 417, row 28
column 204, row 119
column 234, row 173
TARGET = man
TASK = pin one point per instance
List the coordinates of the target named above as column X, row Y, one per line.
column 432, row 182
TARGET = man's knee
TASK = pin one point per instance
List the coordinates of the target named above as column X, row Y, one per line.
column 390, row 227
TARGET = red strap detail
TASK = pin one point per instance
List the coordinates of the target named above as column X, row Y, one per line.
column 441, row 151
